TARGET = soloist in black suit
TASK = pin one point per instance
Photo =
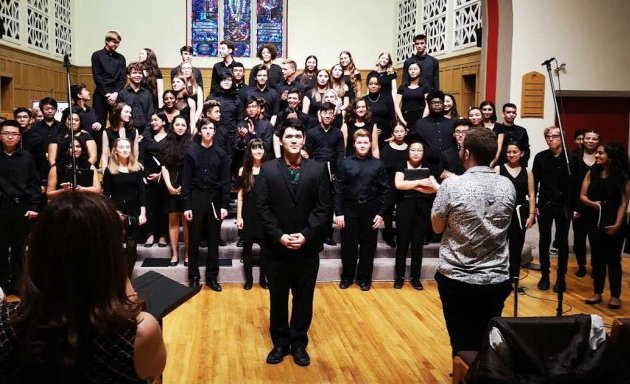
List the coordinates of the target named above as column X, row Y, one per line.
column 286, row 207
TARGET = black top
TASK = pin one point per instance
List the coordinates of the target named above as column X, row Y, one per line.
column 352, row 128
column 34, row 144
column 87, row 116
column 196, row 72
column 513, row 133
column 551, row 179
column 151, row 151
column 48, row 132
column 109, row 70
column 386, row 83
column 313, row 106
column 217, row 69
column 347, row 79
column 272, row 98
column 520, row 183
column 85, row 173
column 580, row 169
column 274, row 76
column 231, row 110
column 206, row 169
column 430, row 71
column 82, row 136
column 383, row 113
column 262, row 130
column 326, row 146
column 608, row 191
column 412, row 100
column 19, row 178
column 141, row 103
column 252, row 224
column 285, row 86
column 360, row 181
column 412, row 193
column 451, row 162
column 126, row 190
column 436, row 132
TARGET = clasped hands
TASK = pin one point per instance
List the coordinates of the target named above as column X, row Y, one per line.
column 293, row 241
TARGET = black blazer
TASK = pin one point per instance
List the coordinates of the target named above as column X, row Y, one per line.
column 307, row 211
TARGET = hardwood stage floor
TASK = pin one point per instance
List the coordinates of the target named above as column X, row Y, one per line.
column 381, row 336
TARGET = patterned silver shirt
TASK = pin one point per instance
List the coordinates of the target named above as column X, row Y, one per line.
column 477, row 207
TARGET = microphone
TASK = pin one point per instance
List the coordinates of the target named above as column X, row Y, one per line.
column 547, row 62
column 66, row 60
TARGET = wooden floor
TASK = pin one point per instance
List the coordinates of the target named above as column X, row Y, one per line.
column 381, row 336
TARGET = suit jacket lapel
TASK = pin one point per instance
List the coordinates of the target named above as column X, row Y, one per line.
column 282, row 168
column 303, row 175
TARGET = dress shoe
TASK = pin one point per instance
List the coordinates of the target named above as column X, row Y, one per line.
column 365, row 286
column 215, row 286
column 194, row 282
column 344, row 284
column 581, row 272
column 614, row 303
column 300, row 357
column 330, row 241
column 248, row 285
column 149, row 243
column 222, row 243
column 391, row 243
column 596, row 299
column 543, row 284
column 398, row 283
column 416, row 284
column 162, row 243
column 185, row 263
column 264, row 284
column 239, row 243
column 173, row 263
column 277, row 354
column 559, row 287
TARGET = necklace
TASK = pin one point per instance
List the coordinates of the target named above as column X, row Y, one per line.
column 377, row 97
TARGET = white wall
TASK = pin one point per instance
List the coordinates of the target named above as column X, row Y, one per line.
column 589, row 36
column 323, row 28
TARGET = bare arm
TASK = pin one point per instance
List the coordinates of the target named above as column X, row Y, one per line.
column 376, row 152
column 306, row 104
column 105, row 153
column 92, row 151
column 149, row 357
column 160, row 91
column 531, row 193
column 397, row 106
column 52, row 153
column 584, row 193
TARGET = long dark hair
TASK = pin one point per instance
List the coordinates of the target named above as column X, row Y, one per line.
column 153, row 70
column 619, row 168
column 247, row 176
column 73, row 288
column 305, row 73
column 175, row 146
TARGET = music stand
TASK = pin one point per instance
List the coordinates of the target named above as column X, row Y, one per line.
column 162, row 294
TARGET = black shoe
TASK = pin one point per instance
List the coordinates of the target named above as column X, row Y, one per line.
column 194, row 282
column 329, row 241
column 365, row 286
column 277, row 354
column 593, row 300
column 391, row 243
column 222, row 243
column 559, row 287
column 203, row 244
column 239, row 243
column 215, row 286
column 344, row 284
column 248, row 285
column 264, row 284
column 416, row 284
column 543, row 284
column 185, row 263
column 398, row 283
column 173, row 263
column 616, row 304
column 581, row 272
column 300, row 357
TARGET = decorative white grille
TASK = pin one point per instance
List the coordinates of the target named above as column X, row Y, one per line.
column 37, row 23
column 407, row 10
column 467, row 20
column 10, row 14
column 434, row 25
column 63, row 30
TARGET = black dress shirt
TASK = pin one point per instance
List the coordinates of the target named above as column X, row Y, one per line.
column 87, row 116
column 360, row 181
column 513, row 133
column 34, row 144
column 206, row 169
column 436, row 132
column 551, row 179
column 141, row 102
column 19, row 178
column 48, row 133
column 272, row 98
column 217, row 69
column 109, row 70
column 326, row 146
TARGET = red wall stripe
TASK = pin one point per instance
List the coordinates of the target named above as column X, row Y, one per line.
column 492, row 49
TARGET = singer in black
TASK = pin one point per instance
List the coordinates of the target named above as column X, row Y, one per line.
column 109, row 72
column 293, row 199
column 360, row 195
column 60, row 176
column 206, row 195
column 20, row 195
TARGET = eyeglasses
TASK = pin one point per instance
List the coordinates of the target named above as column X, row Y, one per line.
column 552, row 137
column 11, row 134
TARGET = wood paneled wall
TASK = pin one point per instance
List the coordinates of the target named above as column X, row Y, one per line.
column 456, row 77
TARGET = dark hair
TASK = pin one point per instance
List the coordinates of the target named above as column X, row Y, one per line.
column 186, row 48
column 47, row 101
column 19, row 110
column 222, row 75
column 259, row 68
column 485, row 103
column 65, row 115
column 272, row 50
column 351, row 116
column 228, row 43
column 114, row 117
column 203, row 121
column 517, row 144
column 294, row 90
column 453, row 111
column 579, row 132
column 508, row 105
column 134, row 65
column 175, row 146
column 373, row 75
column 420, row 36
column 162, row 116
column 247, row 177
column 236, row 64
column 327, row 106
column 282, row 116
column 251, row 100
column 482, row 145
column 64, row 158
column 460, row 122
column 153, row 73
column 72, row 289
column 9, row 123
column 435, row 95
column 291, row 123
column 208, row 105
column 304, row 75
column 75, row 90
column 619, row 168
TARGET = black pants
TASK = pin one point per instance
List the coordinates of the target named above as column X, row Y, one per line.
column 296, row 273
column 101, row 108
column 157, row 220
column 468, row 309
column 580, row 230
column 14, row 229
column 548, row 213
column 203, row 213
column 248, row 262
column 413, row 218
column 516, row 240
column 358, row 240
column 606, row 255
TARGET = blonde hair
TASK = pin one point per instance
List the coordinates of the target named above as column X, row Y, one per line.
column 114, row 164
column 113, row 36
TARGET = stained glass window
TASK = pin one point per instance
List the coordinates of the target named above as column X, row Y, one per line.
column 270, row 16
column 237, row 25
column 205, row 27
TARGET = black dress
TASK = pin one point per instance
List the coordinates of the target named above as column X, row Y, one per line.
column 252, row 228
column 383, row 114
column 126, row 190
column 412, row 106
column 386, row 82
column 516, row 235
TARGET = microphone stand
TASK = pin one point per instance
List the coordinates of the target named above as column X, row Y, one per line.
column 561, row 275
column 66, row 64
